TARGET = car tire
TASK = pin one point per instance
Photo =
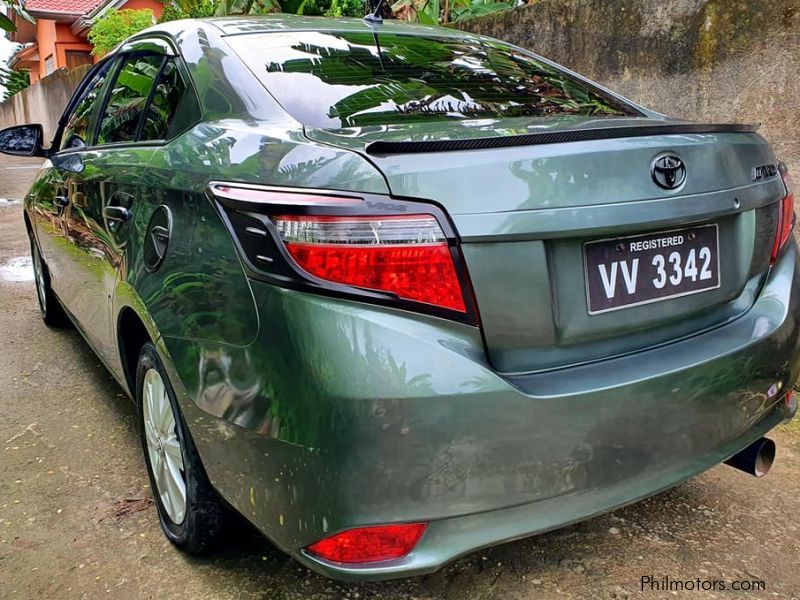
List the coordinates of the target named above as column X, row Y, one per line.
column 53, row 313
column 173, row 463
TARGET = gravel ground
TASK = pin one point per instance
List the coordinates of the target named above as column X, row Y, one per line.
column 76, row 518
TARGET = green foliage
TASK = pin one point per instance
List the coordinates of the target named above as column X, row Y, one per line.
column 116, row 26
column 461, row 10
column 13, row 81
column 345, row 8
column 431, row 12
column 199, row 9
column 188, row 9
column 329, row 8
column 434, row 12
column 314, row 8
column 245, row 7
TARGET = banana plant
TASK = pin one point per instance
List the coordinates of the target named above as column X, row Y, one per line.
column 247, row 7
column 429, row 12
column 13, row 81
column 434, row 12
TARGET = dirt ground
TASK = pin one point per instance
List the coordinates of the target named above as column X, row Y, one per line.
column 76, row 519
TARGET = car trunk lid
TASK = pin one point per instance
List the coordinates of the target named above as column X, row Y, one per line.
column 525, row 214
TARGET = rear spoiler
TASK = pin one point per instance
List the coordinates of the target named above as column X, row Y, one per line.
column 555, row 137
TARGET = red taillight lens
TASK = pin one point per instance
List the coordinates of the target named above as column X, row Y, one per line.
column 786, row 217
column 405, row 255
column 369, row 544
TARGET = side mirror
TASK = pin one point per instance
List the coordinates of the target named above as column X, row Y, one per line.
column 22, row 140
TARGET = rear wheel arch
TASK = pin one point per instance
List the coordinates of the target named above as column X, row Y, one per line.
column 132, row 335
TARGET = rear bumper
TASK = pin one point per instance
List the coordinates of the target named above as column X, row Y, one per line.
column 447, row 539
column 349, row 415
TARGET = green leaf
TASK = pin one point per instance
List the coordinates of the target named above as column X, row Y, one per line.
column 138, row 82
column 478, row 10
column 429, row 13
column 6, row 24
column 426, row 19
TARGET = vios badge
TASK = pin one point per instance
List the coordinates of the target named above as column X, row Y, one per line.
column 668, row 171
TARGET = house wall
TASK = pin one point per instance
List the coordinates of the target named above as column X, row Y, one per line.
column 66, row 41
column 26, row 31
column 56, row 38
column 46, row 39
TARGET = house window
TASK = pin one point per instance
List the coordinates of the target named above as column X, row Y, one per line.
column 49, row 65
column 76, row 58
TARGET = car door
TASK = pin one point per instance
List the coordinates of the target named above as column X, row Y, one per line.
column 103, row 192
column 52, row 207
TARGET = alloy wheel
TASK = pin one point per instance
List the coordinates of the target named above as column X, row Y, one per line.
column 164, row 446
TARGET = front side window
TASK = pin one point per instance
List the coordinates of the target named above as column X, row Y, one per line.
column 76, row 132
column 354, row 79
column 128, row 98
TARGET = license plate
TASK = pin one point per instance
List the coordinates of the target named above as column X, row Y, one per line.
column 641, row 269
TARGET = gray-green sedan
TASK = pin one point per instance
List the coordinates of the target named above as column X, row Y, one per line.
column 396, row 293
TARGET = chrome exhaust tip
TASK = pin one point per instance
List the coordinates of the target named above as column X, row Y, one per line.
column 756, row 459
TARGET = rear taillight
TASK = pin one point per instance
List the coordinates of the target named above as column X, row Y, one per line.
column 369, row 544
column 380, row 249
column 404, row 255
column 786, row 217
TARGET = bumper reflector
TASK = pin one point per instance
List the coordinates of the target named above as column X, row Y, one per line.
column 369, row 544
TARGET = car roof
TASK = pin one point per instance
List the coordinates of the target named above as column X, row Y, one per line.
column 282, row 22
column 289, row 22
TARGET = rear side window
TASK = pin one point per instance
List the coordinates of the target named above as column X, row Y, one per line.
column 76, row 132
column 353, row 79
column 128, row 99
column 171, row 108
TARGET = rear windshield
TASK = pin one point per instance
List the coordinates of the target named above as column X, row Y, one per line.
column 351, row 79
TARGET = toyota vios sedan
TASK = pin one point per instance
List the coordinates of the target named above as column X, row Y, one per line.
column 396, row 293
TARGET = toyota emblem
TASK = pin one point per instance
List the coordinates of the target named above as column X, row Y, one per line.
column 668, row 171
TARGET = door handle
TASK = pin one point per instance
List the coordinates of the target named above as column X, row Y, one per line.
column 117, row 213
column 61, row 201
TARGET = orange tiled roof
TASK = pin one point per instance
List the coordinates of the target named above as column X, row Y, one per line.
column 71, row 7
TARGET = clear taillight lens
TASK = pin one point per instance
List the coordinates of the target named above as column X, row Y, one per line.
column 786, row 218
column 404, row 255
